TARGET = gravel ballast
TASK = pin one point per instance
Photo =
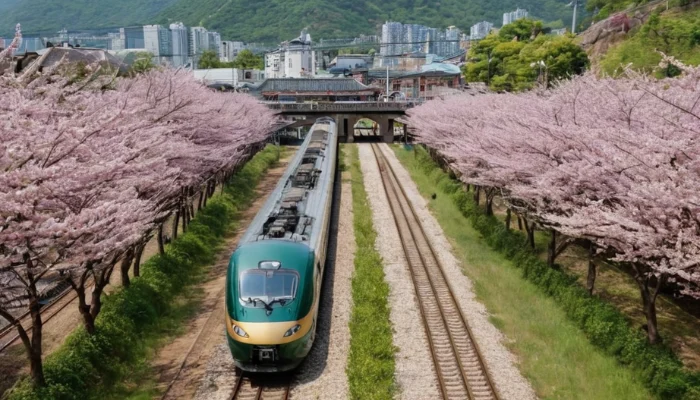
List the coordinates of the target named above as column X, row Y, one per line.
column 501, row 363
column 415, row 376
column 322, row 375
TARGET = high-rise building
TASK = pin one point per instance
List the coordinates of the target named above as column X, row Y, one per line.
column 452, row 35
column 398, row 39
column 512, row 16
column 230, row 50
column 215, row 43
column 158, row 41
column 199, row 42
column 180, row 44
column 392, row 37
column 480, row 30
column 133, row 37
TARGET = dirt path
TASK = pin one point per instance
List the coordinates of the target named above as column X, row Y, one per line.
column 180, row 365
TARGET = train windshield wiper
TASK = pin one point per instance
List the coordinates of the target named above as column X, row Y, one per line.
column 281, row 300
column 255, row 301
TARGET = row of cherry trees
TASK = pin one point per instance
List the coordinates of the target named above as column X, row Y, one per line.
column 611, row 163
column 91, row 166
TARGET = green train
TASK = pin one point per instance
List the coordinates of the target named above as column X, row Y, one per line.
column 274, row 276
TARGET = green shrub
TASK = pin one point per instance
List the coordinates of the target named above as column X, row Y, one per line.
column 90, row 367
column 604, row 325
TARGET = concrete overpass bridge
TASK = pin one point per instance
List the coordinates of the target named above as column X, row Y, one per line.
column 347, row 115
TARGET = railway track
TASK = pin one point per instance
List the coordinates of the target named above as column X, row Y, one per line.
column 458, row 363
column 267, row 388
column 7, row 334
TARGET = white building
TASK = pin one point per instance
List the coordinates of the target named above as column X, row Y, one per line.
column 480, row 30
column 294, row 59
column 229, row 76
column 158, row 41
column 180, row 44
column 514, row 16
column 198, row 43
column 230, row 50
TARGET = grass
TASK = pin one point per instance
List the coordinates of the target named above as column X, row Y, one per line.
column 114, row 362
column 554, row 355
column 371, row 362
column 675, row 33
column 678, row 328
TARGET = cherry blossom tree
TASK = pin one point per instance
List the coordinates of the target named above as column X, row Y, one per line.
column 91, row 167
column 611, row 162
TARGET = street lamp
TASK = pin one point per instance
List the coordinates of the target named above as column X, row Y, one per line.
column 488, row 76
column 540, row 64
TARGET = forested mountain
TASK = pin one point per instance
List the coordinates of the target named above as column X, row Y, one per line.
column 269, row 20
column 39, row 16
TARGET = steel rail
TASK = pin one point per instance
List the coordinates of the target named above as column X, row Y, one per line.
column 249, row 388
column 10, row 328
column 457, row 358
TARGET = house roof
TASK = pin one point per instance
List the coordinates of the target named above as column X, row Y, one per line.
column 292, row 85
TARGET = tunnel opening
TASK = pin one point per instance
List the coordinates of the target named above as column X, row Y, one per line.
column 367, row 130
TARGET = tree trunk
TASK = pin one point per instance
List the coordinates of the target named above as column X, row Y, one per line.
column 206, row 196
column 199, row 201
column 520, row 223
column 126, row 266
column 649, row 293
column 35, row 361
column 552, row 249
column 161, row 246
column 590, row 281
column 176, row 223
column 137, row 260
column 477, row 196
column 24, row 337
column 185, row 218
column 490, row 194
column 508, row 216
column 33, row 347
column 530, row 229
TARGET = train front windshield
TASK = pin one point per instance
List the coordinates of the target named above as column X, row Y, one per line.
column 268, row 286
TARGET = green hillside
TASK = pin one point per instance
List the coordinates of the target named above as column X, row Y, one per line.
column 675, row 32
column 39, row 16
column 269, row 20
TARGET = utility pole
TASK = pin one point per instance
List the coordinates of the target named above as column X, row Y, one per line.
column 574, row 3
column 386, row 99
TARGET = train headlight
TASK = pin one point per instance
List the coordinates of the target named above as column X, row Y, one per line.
column 291, row 331
column 239, row 331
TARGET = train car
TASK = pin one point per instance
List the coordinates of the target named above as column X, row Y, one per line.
column 274, row 275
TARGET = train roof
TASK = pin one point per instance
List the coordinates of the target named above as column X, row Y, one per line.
column 293, row 209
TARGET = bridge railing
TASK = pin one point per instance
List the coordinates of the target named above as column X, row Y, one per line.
column 345, row 106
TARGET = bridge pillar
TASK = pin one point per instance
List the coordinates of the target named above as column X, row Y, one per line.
column 388, row 136
column 345, row 127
